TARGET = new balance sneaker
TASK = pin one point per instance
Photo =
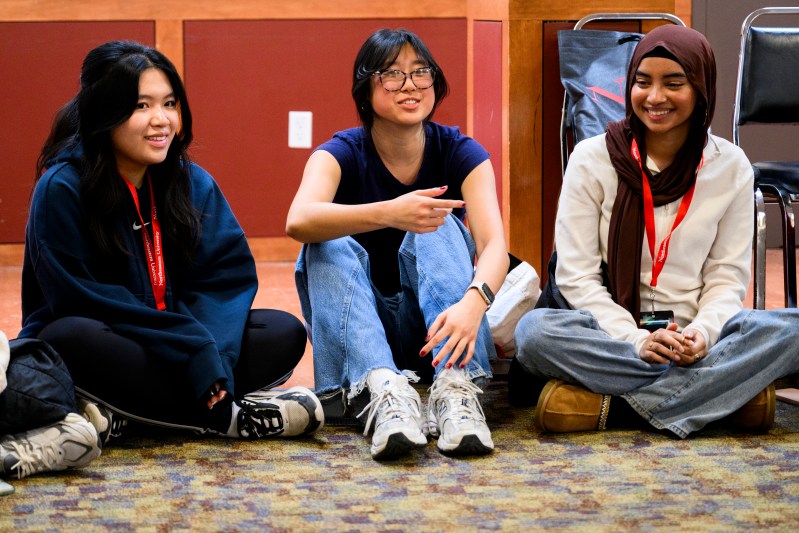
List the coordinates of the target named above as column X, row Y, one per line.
column 456, row 417
column 292, row 412
column 107, row 423
column 396, row 410
column 73, row 442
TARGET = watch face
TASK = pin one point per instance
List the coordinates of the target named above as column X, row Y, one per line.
column 487, row 291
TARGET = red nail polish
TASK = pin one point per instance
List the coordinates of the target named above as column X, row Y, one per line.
column 427, row 339
column 449, row 365
column 443, row 187
column 435, row 363
column 461, row 365
column 422, row 353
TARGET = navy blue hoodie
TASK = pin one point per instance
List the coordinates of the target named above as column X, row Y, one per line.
column 207, row 305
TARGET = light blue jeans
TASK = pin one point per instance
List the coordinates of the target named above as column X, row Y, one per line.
column 753, row 349
column 355, row 329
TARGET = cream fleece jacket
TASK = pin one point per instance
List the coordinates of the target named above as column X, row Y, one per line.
column 706, row 274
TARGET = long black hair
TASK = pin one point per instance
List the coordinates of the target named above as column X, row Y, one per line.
column 379, row 51
column 109, row 92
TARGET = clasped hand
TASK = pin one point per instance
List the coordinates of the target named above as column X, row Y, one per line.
column 216, row 394
column 667, row 345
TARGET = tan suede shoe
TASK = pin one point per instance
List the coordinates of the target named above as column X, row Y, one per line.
column 563, row 408
column 758, row 413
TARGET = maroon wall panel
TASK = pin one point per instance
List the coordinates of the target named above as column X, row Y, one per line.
column 488, row 92
column 243, row 78
column 40, row 65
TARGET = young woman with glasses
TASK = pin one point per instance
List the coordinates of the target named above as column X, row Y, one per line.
column 387, row 276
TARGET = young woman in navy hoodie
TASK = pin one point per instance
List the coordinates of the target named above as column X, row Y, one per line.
column 138, row 274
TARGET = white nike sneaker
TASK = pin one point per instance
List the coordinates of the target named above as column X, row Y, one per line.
column 292, row 412
column 396, row 410
column 456, row 417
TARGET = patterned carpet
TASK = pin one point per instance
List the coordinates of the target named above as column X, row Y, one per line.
column 617, row 480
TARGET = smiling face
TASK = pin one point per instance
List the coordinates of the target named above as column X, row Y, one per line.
column 409, row 105
column 144, row 138
column 662, row 98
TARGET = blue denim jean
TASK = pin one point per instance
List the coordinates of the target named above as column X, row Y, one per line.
column 355, row 329
column 753, row 349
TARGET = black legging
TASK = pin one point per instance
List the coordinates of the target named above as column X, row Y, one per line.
column 122, row 375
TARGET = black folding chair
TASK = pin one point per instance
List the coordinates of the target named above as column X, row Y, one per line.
column 768, row 93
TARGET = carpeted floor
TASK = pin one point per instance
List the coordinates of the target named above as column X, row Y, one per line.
column 613, row 481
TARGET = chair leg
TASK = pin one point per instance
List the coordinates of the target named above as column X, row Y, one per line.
column 759, row 278
column 788, row 249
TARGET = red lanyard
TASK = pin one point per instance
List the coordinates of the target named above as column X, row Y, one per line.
column 153, row 250
column 649, row 216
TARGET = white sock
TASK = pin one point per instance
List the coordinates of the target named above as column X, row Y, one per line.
column 379, row 377
column 233, row 430
column 453, row 373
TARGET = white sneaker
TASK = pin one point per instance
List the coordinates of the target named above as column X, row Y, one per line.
column 397, row 413
column 73, row 442
column 456, row 417
column 289, row 412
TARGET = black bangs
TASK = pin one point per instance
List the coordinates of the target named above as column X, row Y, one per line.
column 659, row 51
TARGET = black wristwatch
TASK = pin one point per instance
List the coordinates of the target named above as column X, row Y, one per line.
column 485, row 291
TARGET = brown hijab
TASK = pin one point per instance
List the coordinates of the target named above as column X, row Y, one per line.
column 626, row 234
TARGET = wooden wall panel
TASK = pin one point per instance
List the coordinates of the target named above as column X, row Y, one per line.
column 524, row 140
column 40, row 64
column 38, row 10
column 243, row 78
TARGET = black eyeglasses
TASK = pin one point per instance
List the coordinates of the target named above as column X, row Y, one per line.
column 394, row 80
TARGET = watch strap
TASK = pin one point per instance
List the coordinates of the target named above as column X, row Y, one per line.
column 487, row 295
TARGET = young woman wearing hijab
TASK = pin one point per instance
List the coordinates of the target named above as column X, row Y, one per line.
column 137, row 272
column 653, row 237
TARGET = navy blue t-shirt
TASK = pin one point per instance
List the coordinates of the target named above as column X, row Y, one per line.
column 449, row 157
